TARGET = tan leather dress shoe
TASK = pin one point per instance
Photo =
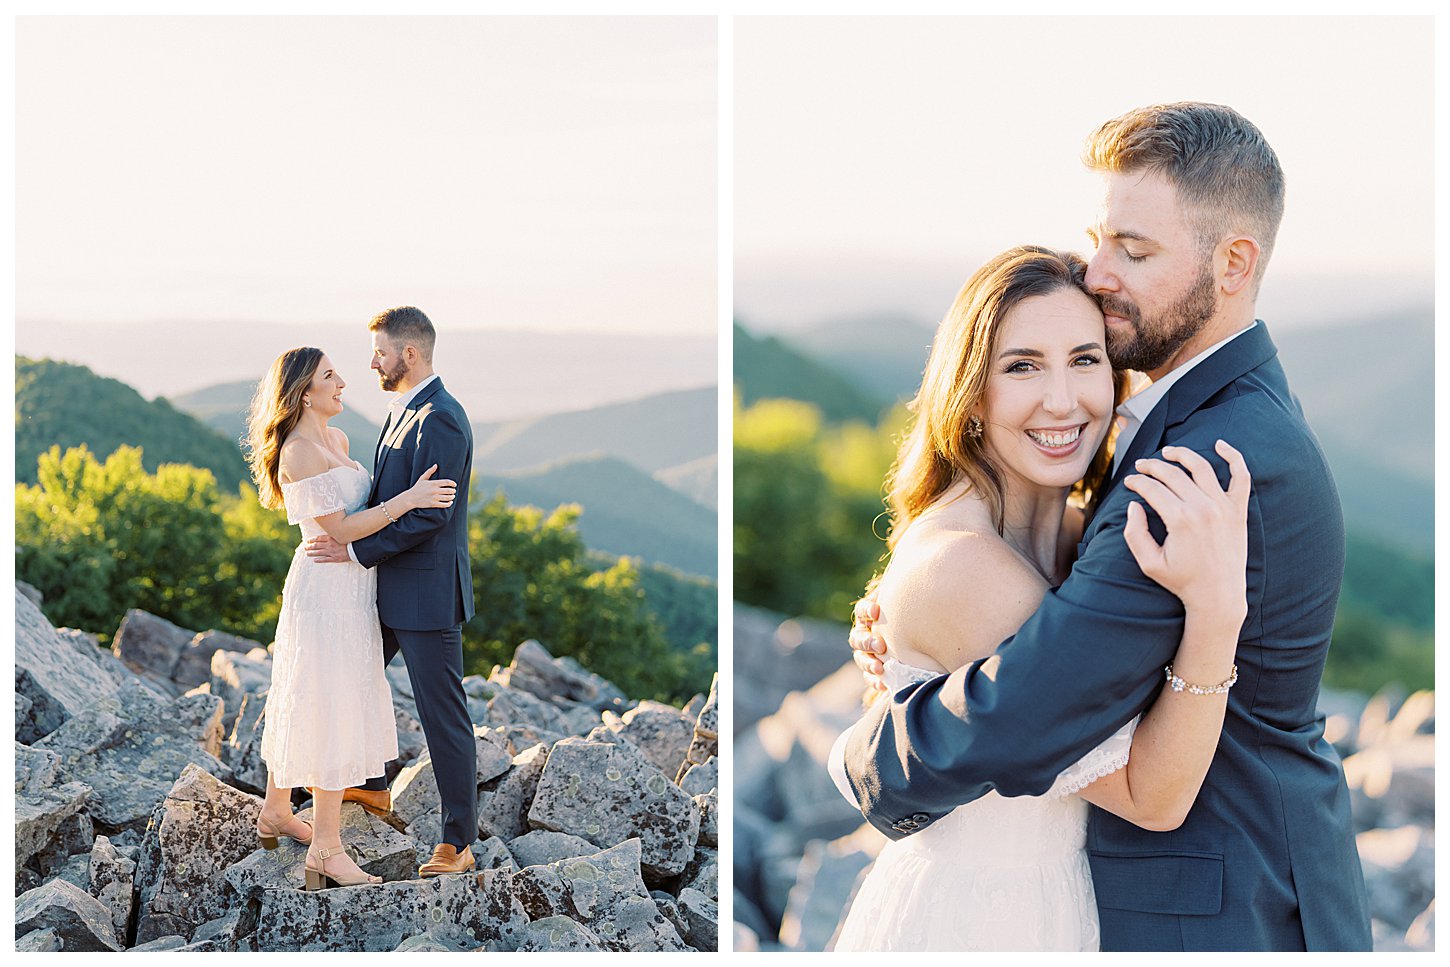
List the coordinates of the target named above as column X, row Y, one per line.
column 379, row 802
column 447, row 859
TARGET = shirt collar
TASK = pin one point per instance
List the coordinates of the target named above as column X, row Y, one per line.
column 401, row 401
column 1137, row 407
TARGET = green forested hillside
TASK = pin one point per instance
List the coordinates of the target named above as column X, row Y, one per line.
column 625, row 511
column 766, row 368
column 61, row 404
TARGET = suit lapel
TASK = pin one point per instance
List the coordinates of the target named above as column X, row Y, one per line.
column 393, row 434
column 1243, row 354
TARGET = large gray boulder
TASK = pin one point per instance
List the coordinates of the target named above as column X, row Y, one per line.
column 541, row 846
column 1399, row 872
column 43, row 807
column 242, row 751
column 609, row 792
column 606, row 893
column 112, row 878
column 703, row 873
column 79, row 920
column 709, row 806
column 194, row 664
column 506, row 706
column 234, row 676
column 380, row 917
column 151, row 646
column 57, row 674
column 200, row 828
column 705, row 742
column 662, row 732
column 702, row 917
column 130, row 746
column 416, row 801
column 703, row 778
column 539, row 673
column 503, row 803
column 45, row 941
column 558, row 934
column 374, row 845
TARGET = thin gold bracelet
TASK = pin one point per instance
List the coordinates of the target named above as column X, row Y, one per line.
column 1179, row 685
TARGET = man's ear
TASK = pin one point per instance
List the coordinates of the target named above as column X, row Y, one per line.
column 1240, row 259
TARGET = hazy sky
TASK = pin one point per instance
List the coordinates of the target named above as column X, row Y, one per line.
column 512, row 172
column 879, row 160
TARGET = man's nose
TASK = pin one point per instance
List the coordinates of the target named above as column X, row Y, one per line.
column 1098, row 278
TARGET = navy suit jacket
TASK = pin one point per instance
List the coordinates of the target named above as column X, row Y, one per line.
column 1266, row 858
column 424, row 582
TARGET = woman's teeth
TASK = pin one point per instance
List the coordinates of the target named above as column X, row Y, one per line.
column 1055, row 438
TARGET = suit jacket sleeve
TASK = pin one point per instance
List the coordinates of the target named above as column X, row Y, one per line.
column 441, row 440
column 1090, row 659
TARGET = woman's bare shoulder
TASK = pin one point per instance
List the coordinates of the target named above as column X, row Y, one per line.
column 339, row 439
column 299, row 459
column 953, row 594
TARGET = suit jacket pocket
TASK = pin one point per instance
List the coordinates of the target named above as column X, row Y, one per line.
column 1174, row 882
column 416, row 560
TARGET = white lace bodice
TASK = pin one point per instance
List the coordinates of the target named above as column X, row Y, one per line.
column 341, row 488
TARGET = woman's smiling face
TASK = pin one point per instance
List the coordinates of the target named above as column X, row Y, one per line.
column 1050, row 395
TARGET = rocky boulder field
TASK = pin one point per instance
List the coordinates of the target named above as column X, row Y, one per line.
column 138, row 781
column 800, row 850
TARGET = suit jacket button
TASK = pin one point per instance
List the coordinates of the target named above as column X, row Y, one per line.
column 920, row 818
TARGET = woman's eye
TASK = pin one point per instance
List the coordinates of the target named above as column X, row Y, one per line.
column 1133, row 258
column 1087, row 359
column 1021, row 366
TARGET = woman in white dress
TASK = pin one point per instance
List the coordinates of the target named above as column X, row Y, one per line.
column 329, row 718
column 1012, row 419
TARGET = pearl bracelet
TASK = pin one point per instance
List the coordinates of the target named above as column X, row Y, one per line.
column 387, row 514
column 1179, row 685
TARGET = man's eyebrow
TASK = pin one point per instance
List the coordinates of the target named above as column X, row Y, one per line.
column 1120, row 235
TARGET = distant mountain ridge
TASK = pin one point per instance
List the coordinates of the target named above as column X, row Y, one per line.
column 766, row 367
column 63, row 404
column 224, row 408
column 497, row 374
column 653, row 433
column 625, row 511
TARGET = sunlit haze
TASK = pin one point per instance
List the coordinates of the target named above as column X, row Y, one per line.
column 878, row 161
column 515, row 173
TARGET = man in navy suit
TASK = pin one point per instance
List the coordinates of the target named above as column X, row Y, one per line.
column 1266, row 858
column 425, row 589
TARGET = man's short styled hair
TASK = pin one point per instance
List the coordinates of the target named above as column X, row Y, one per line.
column 406, row 325
column 1224, row 171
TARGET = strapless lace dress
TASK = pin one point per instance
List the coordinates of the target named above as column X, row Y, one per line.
column 995, row 874
column 329, row 718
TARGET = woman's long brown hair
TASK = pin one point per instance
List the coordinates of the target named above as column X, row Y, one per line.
column 276, row 408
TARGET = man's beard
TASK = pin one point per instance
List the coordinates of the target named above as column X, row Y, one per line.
column 391, row 378
column 1148, row 346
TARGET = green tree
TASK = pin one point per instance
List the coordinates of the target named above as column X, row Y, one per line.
column 99, row 538
column 533, row 578
column 807, row 503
